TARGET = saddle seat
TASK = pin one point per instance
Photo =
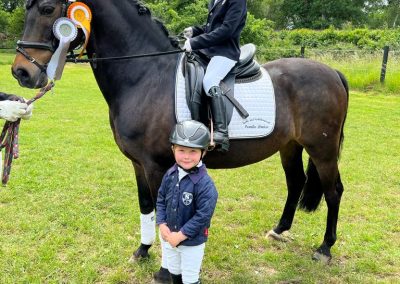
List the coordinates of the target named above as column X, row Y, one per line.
column 246, row 67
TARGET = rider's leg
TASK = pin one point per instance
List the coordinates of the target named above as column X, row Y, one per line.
column 217, row 69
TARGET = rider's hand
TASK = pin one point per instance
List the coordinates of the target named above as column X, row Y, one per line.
column 28, row 113
column 188, row 32
column 12, row 110
column 187, row 47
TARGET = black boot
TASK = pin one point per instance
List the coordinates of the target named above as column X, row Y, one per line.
column 218, row 110
column 176, row 279
column 162, row 276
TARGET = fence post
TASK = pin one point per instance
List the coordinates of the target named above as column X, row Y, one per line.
column 302, row 51
column 384, row 63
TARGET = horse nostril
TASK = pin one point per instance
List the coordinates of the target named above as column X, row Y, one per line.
column 21, row 74
column 23, row 77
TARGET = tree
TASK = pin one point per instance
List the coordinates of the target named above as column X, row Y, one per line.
column 11, row 5
column 16, row 23
column 383, row 13
column 393, row 12
column 320, row 14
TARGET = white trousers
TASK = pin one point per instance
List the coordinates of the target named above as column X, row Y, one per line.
column 185, row 260
column 217, row 70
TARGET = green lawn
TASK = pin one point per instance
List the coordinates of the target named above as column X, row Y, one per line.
column 70, row 212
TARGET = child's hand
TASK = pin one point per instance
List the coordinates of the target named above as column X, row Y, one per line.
column 175, row 238
column 165, row 232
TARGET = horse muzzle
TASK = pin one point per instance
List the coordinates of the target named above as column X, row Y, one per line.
column 29, row 74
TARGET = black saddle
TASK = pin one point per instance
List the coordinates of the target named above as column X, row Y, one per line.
column 194, row 65
column 247, row 68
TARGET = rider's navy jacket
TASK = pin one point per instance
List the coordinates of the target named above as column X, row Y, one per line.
column 187, row 205
column 220, row 36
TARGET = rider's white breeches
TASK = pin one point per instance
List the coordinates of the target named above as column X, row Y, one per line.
column 217, row 69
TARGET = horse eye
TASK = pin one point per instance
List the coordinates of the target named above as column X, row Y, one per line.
column 47, row 10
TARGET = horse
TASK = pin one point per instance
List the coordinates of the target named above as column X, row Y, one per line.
column 311, row 106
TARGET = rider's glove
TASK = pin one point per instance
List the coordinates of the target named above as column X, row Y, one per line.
column 12, row 110
column 187, row 47
column 188, row 32
column 28, row 113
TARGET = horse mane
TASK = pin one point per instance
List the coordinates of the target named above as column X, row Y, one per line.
column 144, row 10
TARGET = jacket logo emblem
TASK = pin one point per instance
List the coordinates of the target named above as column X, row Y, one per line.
column 187, row 198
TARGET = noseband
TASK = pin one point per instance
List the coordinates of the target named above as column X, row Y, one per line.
column 22, row 44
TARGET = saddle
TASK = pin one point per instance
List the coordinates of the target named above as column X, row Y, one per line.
column 194, row 65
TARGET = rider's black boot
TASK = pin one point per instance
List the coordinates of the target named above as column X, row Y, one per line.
column 218, row 110
column 176, row 279
column 162, row 276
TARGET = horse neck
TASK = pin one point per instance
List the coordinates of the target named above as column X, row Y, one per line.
column 119, row 30
column 117, row 26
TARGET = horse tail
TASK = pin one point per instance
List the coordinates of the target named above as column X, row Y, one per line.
column 312, row 192
column 346, row 86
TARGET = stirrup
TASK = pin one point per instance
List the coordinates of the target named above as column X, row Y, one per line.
column 222, row 145
column 219, row 146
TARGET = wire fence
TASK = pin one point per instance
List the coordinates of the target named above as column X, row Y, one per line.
column 378, row 62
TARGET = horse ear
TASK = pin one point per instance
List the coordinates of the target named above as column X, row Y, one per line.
column 142, row 9
column 29, row 3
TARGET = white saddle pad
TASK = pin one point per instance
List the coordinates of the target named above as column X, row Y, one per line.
column 257, row 98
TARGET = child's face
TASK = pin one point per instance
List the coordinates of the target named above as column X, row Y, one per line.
column 186, row 157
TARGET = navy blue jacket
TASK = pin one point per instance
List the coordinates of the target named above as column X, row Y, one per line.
column 187, row 206
column 221, row 35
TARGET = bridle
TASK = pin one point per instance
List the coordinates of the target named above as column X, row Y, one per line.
column 21, row 45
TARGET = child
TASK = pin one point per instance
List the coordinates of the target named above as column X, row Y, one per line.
column 218, row 40
column 186, row 201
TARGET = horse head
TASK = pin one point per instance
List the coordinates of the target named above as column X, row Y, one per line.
column 38, row 42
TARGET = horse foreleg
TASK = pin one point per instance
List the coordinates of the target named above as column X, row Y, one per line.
column 147, row 216
column 333, row 189
column 291, row 158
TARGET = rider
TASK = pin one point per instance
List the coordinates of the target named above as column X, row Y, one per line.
column 219, row 40
column 12, row 108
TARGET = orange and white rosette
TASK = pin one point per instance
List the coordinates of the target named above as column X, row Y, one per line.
column 81, row 15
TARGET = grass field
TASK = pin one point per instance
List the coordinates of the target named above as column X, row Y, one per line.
column 70, row 212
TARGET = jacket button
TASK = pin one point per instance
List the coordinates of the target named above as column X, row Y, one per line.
column 208, row 24
column 211, row 14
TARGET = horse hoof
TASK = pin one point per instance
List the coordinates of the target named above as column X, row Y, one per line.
column 325, row 259
column 138, row 256
column 276, row 237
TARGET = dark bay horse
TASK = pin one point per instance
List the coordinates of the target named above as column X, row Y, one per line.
column 311, row 106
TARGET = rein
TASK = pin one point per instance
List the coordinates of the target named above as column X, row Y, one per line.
column 9, row 137
column 73, row 58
